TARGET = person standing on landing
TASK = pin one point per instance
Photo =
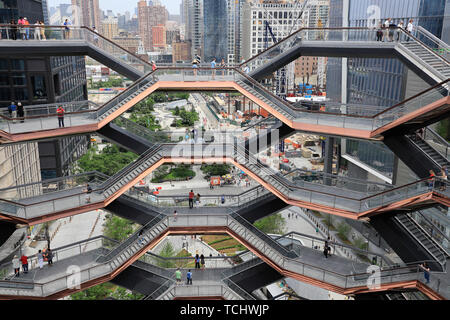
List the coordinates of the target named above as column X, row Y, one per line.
column 20, row 112
column 16, row 266
column 12, row 109
column 213, row 67
column 50, row 257
column 202, row 261
column 24, row 260
column 178, row 276
column 60, row 112
column 189, row 277
column 40, row 258
column 191, row 199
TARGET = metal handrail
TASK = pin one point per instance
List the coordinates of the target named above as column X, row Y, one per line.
column 407, row 267
column 432, row 37
column 442, row 250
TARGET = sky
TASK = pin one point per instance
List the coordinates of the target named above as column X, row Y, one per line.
column 124, row 5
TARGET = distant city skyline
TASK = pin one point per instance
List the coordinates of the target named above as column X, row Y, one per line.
column 120, row 6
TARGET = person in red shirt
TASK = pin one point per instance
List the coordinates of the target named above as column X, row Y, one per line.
column 191, row 199
column 60, row 112
column 24, row 260
column 431, row 179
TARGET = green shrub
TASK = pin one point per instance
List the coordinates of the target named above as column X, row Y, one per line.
column 343, row 230
column 219, row 240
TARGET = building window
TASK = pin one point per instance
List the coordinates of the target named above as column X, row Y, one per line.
column 3, row 64
column 19, row 79
column 38, row 86
column 21, row 94
column 5, row 94
column 17, row 64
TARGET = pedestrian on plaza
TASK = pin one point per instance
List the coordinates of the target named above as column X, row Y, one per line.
column 410, row 28
column 13, row 29
column 50, row 257
column 178, row 276
column 20, row 112
column 317, row 228
column 24, row 260
column 289, row 215
column 189, row 277
column 445, row 170
column 202, row 261
column 222, row 199
column 191, row 199
column 426, row 272
column 40, row 258
column 60, row 112
column 88, row 191
column 12, row 109
column 197, row 199
column 325, row 250
column 213, row 67
column 37, row 30
column 42, row 30
column 197, row 261
column 16, row 265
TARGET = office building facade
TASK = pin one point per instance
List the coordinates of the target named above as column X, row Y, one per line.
column 378, row 82
column 215, row 25
column 150, row 16
column 43, row 80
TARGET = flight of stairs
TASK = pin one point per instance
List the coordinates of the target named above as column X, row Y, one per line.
column 268, row 98
column 129, row 173
column 430, row 151
column 112, row 106
column 429, row 58
column 422, row 236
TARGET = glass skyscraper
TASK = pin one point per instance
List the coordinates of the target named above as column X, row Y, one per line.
column 215, row 30
column 378, row 82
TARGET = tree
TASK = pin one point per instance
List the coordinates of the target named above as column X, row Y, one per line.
column 443, row 129
column 118, row 228
column 124, row 294
column 143, row 107
column 271, row 224
column 167, row 252
column 146, row 120
column 109, row 161
column 343, row 230
column 98, row 292
column 215, row 169
column 188, row 118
